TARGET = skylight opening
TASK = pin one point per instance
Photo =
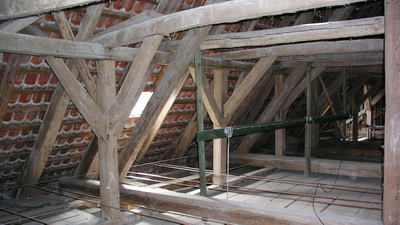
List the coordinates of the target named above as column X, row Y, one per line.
column 141, row 104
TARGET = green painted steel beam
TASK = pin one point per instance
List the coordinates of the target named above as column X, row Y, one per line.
column 209, row 135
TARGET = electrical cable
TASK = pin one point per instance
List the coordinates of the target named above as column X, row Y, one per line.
column 326, row 191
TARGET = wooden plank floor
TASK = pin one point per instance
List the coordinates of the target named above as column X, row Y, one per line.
column 351, row 197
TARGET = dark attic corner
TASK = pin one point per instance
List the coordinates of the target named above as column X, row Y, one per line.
column 199, row 112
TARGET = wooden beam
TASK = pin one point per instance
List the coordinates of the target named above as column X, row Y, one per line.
column 378, row 97
column 209, row 101
column 220, row 145
column 13, row 26
column 66, row 32
column 179, row 148
column 330, row 103
column 299, row 89
column 121, row 106
column 371, row 56
column 327, row 166
column 333, row 87
column 343, row 63
column 7, row 83
column 8, row 80
column 44, row 46
column 341, row 151
column 108, row 147
column 300, row 33
column 219, row 209
column 226, row 12
column 85, row 104
column 242, row 92
column 10, row 9
column 52, row 120
column 280, row 134
column 320, row 47
column 269, row 113
column 161, row 101
column 391, row 181
column 134, row 83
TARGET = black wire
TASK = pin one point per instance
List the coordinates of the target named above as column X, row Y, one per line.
column 326, row 191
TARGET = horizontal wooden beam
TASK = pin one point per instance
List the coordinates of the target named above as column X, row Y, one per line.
column 301, row 33
column 327, row 166
column 349, row 57
column 341, row 151
column 43, row 46
column 230, row 211
column 10, row 9
column 321, row 47
column 225, row 12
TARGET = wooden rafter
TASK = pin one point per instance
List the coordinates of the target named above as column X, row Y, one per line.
column 66, row 32
column 225, row 12
column 53, row 118
column 269, row 113
column 7, row 83
column 85, row 104
column 14, row 26
column 242, row 92
column 120, row 107
column 134, row 83
column 161, row 101
column 209, row 100
column 10, row 9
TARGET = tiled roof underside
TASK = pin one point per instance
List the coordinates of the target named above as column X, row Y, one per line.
column 35, row 84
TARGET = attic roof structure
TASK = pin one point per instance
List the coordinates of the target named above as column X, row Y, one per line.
column 71, row 72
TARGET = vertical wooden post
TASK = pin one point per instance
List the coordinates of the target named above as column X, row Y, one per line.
column 315, row 127
column 355, row 107
column 220, row 145
column 344, row 102
column 307, row 152
column 200, row 123
column 280, row 134
column 391, row 183
column 108, row 155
